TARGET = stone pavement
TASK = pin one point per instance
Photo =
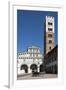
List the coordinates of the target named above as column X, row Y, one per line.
column 43, row 76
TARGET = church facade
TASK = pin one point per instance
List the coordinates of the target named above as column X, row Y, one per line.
column 30, row 60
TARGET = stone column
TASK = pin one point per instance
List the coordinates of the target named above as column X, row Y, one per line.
column 18, row 70
column 38, row 69
column 29, row 70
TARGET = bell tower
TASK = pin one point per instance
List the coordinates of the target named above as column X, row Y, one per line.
column 49, row 34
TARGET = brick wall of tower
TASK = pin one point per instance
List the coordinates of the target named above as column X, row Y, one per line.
column 48, row 45
column 48, row 34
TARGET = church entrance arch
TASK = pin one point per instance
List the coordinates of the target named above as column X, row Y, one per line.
column 25, row 68
column 41, row 68
column 33, row 67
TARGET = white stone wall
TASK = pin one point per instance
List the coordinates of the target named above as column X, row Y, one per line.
column 51, row 20
column 28, row 59
column 28, row 62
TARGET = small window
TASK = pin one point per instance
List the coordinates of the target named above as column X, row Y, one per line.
column 49, row 29
column 19, row 53
column 49, row 35
column 24, row 60
column 36, row 54
column 30, row 55
column 49, row 23
column 19, row 57
column 50, row 41
column 49, row 48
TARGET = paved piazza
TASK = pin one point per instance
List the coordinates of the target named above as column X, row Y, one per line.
column 29, row 76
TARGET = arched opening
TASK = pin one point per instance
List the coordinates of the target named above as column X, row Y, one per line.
column 25, row 68
column 33, row 67
column 41, row 68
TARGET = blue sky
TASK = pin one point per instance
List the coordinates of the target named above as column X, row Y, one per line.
column 30, row 28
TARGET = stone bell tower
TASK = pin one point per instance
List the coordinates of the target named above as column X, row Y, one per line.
column 49, row 34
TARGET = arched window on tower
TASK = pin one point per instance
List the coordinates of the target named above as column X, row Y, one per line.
column 50, row 48
column 50, row 41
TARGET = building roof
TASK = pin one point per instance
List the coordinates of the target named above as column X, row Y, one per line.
column 51, row 50
column 34, row 47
